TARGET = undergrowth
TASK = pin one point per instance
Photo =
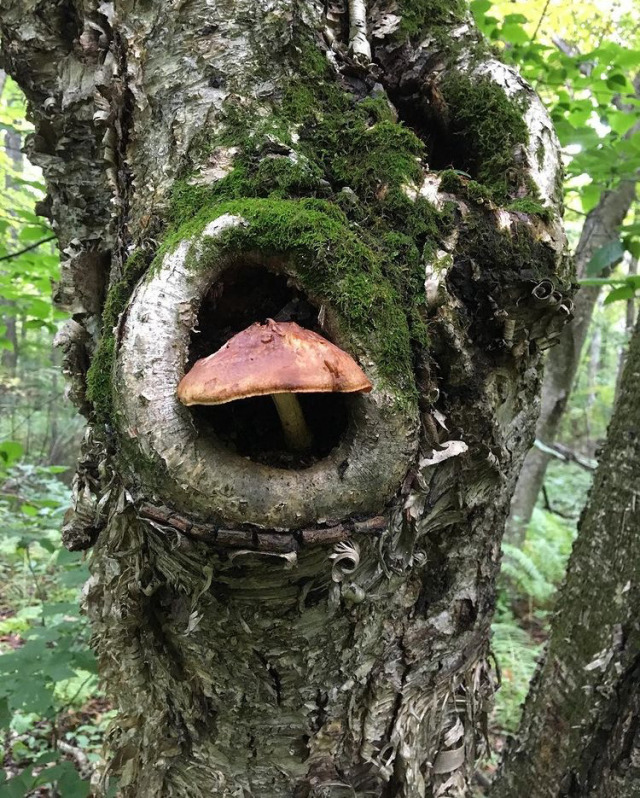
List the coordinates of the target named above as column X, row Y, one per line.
column 48, row 675
column 527, row 589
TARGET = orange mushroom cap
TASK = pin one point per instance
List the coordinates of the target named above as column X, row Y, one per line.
column 271, row 358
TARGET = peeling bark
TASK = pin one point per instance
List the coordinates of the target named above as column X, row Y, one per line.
column 323, row 629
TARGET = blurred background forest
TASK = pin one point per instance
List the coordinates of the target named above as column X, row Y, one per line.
column 582, row 59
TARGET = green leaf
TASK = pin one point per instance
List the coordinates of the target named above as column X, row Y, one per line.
column 604, row 256
column 515, row 34
column 622, row 292
column 632, row 245
column 54, row 469
column 616, row 81
column 17, row 787
column 11, row 452
column 518, row 18
column 28, row 510
column 38, row 308
column 30, row 234
column 5, row 713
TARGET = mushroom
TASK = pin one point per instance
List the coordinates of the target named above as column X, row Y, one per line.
column 279, row 359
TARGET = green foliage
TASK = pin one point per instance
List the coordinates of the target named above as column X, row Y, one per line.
column 527, row 587
column 622, row 287
column 45, row 771
column 517, row 654
column 46, row 666
column 25, row 278
column 534, row 570
column 604, row 257
column 529, row 578
column 47, row 670
column 34, row 419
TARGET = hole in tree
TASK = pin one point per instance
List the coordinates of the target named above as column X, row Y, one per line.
column 251, row 427
column 446, row 148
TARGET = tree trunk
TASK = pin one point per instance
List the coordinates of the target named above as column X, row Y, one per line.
column 630, row 320
column 272, row 624
column 12, row 145
column 561, row 364
column 579, row 734
column 593, row 369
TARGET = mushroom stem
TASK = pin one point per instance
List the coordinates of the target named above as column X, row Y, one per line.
column 296, row 432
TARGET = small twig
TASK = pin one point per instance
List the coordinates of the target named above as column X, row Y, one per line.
column 81, row 758
column 28, row 249
column 548, row 506
column 564, row 453
column 542, row 16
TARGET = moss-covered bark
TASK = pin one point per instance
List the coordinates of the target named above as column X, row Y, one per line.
column 316, row 631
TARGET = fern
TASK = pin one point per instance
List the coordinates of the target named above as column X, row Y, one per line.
column 525, row 578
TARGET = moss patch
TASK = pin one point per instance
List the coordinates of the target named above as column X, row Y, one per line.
column 455, row 183
column 419, row 16
column 531, row 208
column 339, row 207
column 488, row 127
column 334, row 265
column 99, row 387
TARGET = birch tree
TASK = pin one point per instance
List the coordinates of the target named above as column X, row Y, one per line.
column 271, row 623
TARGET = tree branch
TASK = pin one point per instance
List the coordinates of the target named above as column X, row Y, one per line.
column 562, row 452
column 42, row 241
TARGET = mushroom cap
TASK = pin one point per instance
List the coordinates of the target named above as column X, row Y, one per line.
column 275, row 357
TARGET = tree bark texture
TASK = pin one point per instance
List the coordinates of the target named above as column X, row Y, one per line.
column 323, row 629
column 561, row 364
column 579, row 735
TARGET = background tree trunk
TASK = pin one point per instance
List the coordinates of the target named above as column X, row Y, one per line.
column 630, row 320
column 319, row 627
column 561, row 363
column 579, row 734
column 12, row 144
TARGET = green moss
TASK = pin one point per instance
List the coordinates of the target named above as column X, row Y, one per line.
column 531, row 207
column 488, row 127
column 455, row 183
column 334, row 265
column 99, row 388
column 419, row 16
